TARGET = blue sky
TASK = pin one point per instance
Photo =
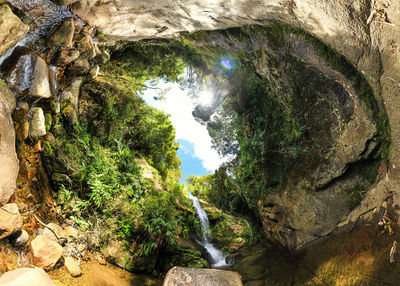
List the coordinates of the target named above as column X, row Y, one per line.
column 191, row 165
column 198, row 157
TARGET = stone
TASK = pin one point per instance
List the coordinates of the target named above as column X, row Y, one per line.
column 22, row 131
column 66, row 56
column 179, row 276
column 26, row 73
column 9, row 166
column 12, row 29
column 57, row 229
column 79, row 67
column 70, row 233
column 9, row 95
column 101, row 260
column 20, row 238
column 37, row 126
column 70, row 99
column 64, row 34
column 46, row 252
column 72, row 267
column 26, row 277
column 10, row 220
column 40, row 86
column 94, row 72
column 86, row 47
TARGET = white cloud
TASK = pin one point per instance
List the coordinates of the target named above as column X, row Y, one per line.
column 180, row 107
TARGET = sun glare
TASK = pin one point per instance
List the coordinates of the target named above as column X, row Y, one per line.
column 206, row 97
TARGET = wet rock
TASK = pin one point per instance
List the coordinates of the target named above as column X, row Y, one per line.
column 9, row 95
column 17, row 69
column 37, row 126
column 72, row 267
column 9, row 163
column 56, row 228
column 20, row 238
column 46, row 252
column 64, row 34
column 26, row 73
column 26, row 277
column 11, row 28
column 179, row 276
column 10, row 220
column 40, row 86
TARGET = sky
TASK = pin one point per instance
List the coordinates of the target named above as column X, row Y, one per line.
column 198, row 158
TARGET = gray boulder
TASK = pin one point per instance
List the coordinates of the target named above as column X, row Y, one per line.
column 179, row 276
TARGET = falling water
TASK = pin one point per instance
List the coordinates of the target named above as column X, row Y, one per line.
column 216, row 255
column 45, row 14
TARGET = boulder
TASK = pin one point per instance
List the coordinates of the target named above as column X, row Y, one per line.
column 26, row 277
column 40, row 86
column 70, row 98
column 10, row 220
column 64, row 34
column 86, row 47
column 56, row 228
column 66, row 56
column 22, row 130
column 20, row 238
column 12, row 29
column 73, row 267
column 9, row 163
column 7, row 93
column 26, row 73
column 46, row 252
column 37, row 126
column 79, row 67
column 179, row 276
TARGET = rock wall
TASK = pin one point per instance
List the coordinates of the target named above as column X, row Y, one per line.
column 372, row 47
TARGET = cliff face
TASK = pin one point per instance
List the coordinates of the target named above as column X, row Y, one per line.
column 371, row 47
column 365, row 32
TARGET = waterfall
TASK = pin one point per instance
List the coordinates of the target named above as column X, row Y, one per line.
column 217, row 256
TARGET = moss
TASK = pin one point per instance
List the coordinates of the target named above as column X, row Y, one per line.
column 47, row 150
column 48, row 119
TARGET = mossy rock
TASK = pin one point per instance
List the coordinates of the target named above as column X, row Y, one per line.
column 48, row 121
